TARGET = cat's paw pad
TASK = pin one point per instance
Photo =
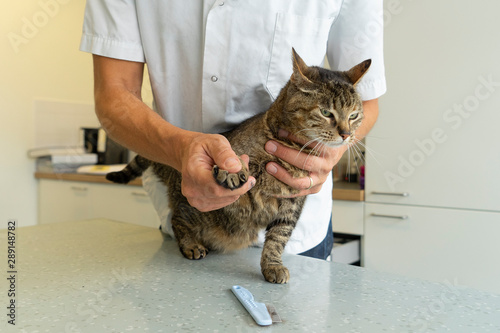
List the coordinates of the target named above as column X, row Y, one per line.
column 276, row 274
column 194, row 252
column 228, row 180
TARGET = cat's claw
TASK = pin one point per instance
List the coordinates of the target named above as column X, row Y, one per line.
column 228, row 180
column 276, row 274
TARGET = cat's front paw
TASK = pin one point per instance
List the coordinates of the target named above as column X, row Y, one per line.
column 276, row 274
column 228, row 180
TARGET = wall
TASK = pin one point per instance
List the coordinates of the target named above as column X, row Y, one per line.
column 39, row 59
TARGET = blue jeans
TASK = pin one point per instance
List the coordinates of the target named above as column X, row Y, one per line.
column 323, row 249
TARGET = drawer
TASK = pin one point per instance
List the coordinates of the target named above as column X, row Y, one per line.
column 124, row 203
column 347, row 217
column 437, row 244
column 61, row 201
column 346, row 251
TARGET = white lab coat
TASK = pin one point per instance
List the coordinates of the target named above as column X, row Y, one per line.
column 213, row 64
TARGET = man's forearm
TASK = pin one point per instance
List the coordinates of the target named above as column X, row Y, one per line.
column 133, row 124
column 127, row 119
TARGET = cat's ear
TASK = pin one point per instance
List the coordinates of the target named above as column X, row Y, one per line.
column 357, row 72
column 300, row 72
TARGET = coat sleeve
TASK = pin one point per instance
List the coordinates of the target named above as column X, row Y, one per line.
column 111, row 29
column 357, row 35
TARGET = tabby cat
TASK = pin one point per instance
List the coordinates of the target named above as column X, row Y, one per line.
column 316, row 105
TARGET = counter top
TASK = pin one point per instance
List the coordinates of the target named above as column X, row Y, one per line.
column 80, row 177
column 105, row 276
column 341, row 190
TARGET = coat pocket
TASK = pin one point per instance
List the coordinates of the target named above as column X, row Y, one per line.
column 309, row 37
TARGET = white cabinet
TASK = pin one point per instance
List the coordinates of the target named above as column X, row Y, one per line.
column 62, row 201
column 124, row 203
column 433, row 154
column 459, row 246
column 437, row 135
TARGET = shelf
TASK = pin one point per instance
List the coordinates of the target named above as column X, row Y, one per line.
column 347, row 191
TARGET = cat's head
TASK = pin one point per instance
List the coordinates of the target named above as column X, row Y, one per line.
column 323, row 105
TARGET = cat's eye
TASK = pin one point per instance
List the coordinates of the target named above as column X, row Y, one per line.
column 353, row 116
column 326, row 113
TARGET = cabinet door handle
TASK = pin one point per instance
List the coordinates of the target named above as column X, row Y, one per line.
column 139, row 194
column 399, row 217
column 397, row 194
column 79, row 188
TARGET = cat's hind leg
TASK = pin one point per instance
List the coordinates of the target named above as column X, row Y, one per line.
column 189, row 245
column 231, row 181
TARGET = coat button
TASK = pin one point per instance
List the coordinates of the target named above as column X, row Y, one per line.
column 214, row 78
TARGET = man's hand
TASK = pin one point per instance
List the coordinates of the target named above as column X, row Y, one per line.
column 318, row 166
column 198, row 184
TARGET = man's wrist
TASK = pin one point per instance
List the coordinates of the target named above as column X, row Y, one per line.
column 175, row 144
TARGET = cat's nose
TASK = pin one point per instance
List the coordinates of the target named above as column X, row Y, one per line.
column 345, row 135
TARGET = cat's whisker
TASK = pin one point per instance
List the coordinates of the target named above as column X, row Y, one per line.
column 376, row 137
column 356, row 154
column 367, row 148
column 311, row 131
column 308, row 133
column 314, row 150
column 318, row 140
column 363, row 150
column 371, row 152
column 348, row 169
column 306, row 145
column 358, row 144
column 359, row 152
column 321, row 149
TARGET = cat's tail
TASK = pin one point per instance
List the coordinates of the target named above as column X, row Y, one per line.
column 133, row 170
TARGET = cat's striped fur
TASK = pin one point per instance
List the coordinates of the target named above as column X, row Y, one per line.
column 315, row 105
